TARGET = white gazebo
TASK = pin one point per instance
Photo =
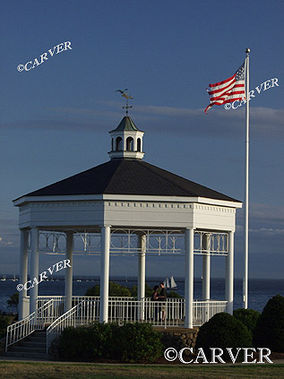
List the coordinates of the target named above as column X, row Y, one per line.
column 124, row 206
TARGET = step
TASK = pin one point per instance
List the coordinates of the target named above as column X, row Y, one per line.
column 35, row 344
column 27, row 349
column 35, row 337
column 27, row 355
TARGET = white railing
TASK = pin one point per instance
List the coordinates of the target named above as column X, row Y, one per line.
column 204, row 310
column 123, row 308
column 158, row 313
column 170, row 313
column 35, row 321
column 83, row 313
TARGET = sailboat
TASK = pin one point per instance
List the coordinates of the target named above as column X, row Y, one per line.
column 170, row 283
column 3, row 278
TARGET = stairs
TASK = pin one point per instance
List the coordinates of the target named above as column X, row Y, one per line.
column 32, row 347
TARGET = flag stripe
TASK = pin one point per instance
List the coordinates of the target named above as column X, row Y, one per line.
column 223, row 81
column 239, row 89
column 228, row 90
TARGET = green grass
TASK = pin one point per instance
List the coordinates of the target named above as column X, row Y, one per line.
column 62, row 370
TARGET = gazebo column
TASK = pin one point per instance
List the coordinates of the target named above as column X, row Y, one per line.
column 69, row 271
column 229, row 285
column 141, row 273
column 23, row 299
column 104, row 276
column 206, row 267
column 34, row 269
column 189, row 276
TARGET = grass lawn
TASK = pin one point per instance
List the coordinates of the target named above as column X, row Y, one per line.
column 42, row 370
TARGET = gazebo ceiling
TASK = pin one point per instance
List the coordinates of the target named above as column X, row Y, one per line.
column 128, row 177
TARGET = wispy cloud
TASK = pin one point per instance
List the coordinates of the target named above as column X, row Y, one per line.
column 266, row 122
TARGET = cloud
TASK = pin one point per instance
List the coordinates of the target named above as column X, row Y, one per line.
column 266, row 225
column 218, row 122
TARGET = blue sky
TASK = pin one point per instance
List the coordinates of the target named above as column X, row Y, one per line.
column 54, row 119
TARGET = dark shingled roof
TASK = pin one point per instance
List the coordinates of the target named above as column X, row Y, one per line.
column 126, row 124
column 128, row 177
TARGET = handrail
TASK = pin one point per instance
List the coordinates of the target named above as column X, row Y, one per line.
column 81, row 314
column 26, row 326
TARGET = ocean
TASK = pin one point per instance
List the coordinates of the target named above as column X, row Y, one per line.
column 260, row 290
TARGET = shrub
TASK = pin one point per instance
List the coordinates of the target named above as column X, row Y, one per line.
column 4, row 322
column 148, row 290
column 170, row 340
column 85, row 343
column 248, row 317
column 127, row 343
column 13, row 301
column 223, row 330
column 137, row 343
column 115, row 289
column 173, row 295
column 269, row 331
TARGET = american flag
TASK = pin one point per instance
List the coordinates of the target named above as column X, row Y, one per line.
column 228, row 90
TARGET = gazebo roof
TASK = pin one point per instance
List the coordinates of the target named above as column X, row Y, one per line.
column 126, row 124
column 128, row 177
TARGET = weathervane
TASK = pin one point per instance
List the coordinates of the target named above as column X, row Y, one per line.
column 127, row 97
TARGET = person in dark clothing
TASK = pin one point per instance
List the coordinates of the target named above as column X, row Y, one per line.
column 155, row 294
column 163, row 292
column 163, row 297
column 155, row 297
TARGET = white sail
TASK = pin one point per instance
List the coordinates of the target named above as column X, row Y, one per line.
column 173, row 283
column 167, row 283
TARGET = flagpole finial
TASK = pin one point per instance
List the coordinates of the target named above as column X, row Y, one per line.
column 247, row 50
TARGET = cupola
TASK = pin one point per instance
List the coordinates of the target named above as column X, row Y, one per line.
column 126, row 140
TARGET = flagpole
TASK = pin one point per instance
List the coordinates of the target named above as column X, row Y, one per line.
column 246, row 239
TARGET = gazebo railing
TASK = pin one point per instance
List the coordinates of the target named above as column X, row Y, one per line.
column 170, row 313
column 204, row 310
column 119, row 309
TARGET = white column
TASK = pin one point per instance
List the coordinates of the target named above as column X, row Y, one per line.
column 34, row 269
column 229, row 285
column 206, row 268
column 104, row 276
column 141, row 267
column 141, row 274
column 69, row 271
column 23, row 299
column 189, row 277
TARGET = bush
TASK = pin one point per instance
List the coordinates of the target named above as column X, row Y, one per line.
column 223, row 330
column 173, row 295
column 148, row 290
column 137, row 343
column 127, row 343
column 170, row 340
column 4, row 322
column 269, row 331
column 115, row 289
column 248, row 317
column 13, row 301
column 82, row 343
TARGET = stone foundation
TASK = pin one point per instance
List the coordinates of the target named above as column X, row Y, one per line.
column 188, row 336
